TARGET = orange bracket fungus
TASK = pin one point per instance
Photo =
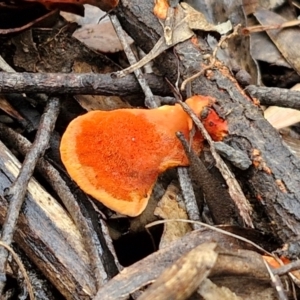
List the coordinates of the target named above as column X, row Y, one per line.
column 116, row 156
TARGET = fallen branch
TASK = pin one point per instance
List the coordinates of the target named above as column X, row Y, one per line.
column 92, row 84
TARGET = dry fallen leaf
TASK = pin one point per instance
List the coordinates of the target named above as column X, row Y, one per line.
column 197, row 21
column 96, row 102
column 169, row 208
column 287, row 41
column 100, row 37
column 5, row 106
column 184, row 18
column 210, row 291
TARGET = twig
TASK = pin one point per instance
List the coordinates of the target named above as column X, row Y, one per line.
column 149, row 97
column 234, row 188
column 185, row 182
column 276, row 283
column 188, row 195
column 17, row 191
column 213, row 57
column 92, row 84
column 275, row 96
column 21, row 267
column 260, row 28
column 293, row 266
column 214, row 228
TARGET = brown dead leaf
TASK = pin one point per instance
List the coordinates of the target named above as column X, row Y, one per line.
column 169, row 208
column 97, row 36
column 210, row 291
column 286, row 40
column 292, row 140
column 5, row 106
column 96, row 102
column 250, row 6
column 92, row 14
column 100, row 37
column 197, row 21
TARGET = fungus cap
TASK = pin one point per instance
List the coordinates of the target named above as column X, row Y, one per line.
column 116, row 156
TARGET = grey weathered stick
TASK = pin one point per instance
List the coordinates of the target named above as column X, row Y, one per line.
column 149, row 97
column 276, row 283
column 293, row 266
column 92, row 84
column 17, row 191
column 190, row 201
column 275, row 96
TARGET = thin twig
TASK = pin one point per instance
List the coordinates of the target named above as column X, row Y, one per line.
column 188, row 195
column 217, row 229
column 260, row 28
column 293, row 266
column 21, row 267
column 213, row 57
column 149, row 97
column 185, row 182
column 17, row 191
column 276, row 283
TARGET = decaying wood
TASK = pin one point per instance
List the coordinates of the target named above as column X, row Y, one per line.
column 274, row 177
column 244, row 264
column 182, row 278
column 16, row 192
column 47, row 235
column 93, row 84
